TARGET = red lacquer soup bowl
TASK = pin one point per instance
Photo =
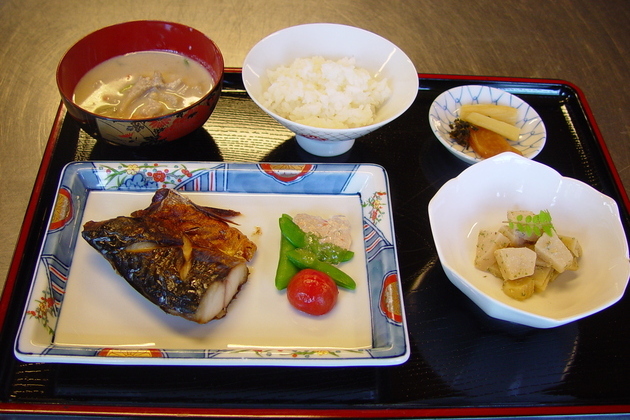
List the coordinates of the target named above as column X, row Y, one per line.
column 131, row 37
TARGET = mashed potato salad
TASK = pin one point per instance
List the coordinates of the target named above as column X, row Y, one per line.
column 325, row 93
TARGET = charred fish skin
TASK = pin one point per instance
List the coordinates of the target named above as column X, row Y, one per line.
column 190, row 264
column 156, row 274
column 205, row 226
column 114, row 235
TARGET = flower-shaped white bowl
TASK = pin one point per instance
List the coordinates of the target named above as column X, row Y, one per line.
column 332, row 41
column 445, row 109
column 479, row 199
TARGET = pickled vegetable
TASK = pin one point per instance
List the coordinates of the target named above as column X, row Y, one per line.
column 487, row 143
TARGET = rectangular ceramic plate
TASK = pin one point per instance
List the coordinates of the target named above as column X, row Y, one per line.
column 80, row 311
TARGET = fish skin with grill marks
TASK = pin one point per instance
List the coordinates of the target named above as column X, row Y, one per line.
column 183, row 257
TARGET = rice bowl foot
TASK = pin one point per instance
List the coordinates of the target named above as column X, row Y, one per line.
column 324, row 148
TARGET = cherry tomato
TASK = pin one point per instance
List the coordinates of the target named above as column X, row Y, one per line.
column 312, row 292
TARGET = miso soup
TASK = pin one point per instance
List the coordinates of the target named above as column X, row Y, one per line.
column 143, row 84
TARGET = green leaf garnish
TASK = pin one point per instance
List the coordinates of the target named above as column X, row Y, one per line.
column 537, row 224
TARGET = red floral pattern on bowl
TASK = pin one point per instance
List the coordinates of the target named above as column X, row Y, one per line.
column 131, row 37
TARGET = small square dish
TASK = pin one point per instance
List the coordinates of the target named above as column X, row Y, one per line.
column 446, row 107
column 80, row 310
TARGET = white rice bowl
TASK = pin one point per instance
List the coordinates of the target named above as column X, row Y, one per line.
column 324, row 93
column 384, row 60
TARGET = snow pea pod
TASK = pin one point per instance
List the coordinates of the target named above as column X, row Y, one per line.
column 292, row 231
column 326, row 252
column 286, row 269
column 306, row 259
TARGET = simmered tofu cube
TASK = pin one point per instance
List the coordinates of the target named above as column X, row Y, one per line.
column 515, row 263
column 552, row 250
column 516, row 238
column 513, row 216
column 495, row 271
column 487, row 242
column 540, row 262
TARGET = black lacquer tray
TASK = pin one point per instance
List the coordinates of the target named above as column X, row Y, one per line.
column 463, row 363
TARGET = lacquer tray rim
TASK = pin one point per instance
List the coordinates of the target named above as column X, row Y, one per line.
column 14, row 289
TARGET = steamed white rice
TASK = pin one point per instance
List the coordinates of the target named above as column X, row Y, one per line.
column 325, row 93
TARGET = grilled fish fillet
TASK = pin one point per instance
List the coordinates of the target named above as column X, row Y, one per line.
column 183, row 257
